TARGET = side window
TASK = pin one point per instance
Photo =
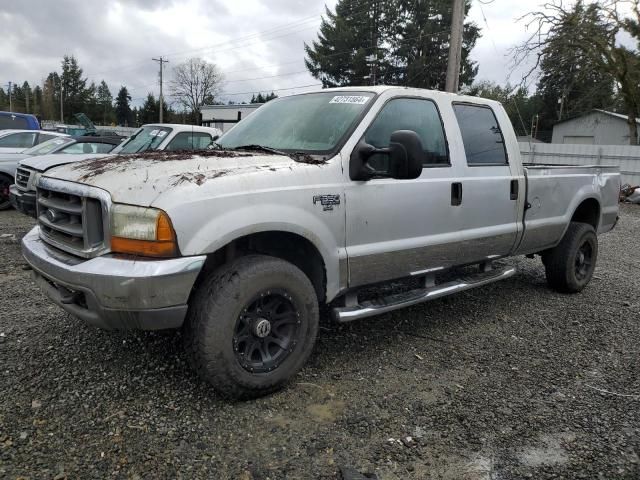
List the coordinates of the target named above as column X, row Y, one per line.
column 481, row 135
column 415, row 114
column 190, row 141
column 75, row 148
column 43, row 137
column 18, row 140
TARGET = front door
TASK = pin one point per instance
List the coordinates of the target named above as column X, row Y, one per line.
column 396, row 228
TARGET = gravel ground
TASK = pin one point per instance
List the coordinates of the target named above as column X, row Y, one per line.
column 509, row 381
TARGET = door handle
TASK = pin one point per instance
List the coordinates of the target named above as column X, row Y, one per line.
column 515, row 186
column 456, row 194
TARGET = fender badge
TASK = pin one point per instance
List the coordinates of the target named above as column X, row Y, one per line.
column 327, row 201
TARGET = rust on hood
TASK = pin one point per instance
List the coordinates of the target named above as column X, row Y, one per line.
column 197, row 178
column 92, row 167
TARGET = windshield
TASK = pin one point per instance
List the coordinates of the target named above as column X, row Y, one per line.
column 313, row 123
column 49, row 146
column 147, row 138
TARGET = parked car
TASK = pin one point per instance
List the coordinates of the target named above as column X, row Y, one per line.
column 149, row 137
column 311, row 200
column 169, row 136
column 16, row 141
column 18, row 121
column 10, row 165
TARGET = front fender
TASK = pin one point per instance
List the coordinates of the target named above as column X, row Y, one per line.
column 323, row 230
column 9, row 168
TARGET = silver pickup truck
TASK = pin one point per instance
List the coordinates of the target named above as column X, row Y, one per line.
column 306, row 202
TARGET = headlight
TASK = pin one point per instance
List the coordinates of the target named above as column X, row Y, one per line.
column 142, row 231
column 36, row 177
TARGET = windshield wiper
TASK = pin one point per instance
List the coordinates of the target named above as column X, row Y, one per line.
column 260, row 148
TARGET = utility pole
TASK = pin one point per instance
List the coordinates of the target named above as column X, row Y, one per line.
column 61, row 107
column 455, row 47
column 161, row 61
column 10, row 101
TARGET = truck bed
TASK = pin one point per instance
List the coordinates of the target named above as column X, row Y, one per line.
column 555, row 192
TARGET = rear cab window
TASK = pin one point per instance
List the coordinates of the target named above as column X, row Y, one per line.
column 481, row 135
column 13, row 122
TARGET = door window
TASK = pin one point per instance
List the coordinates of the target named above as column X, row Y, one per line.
column 420, row 116
column 87, row 147
column 18, row 140
column 190, row 141
column 481, row 135
column 43, row 137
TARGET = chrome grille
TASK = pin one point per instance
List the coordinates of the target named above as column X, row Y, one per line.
column 22, row 178
column 71, row 222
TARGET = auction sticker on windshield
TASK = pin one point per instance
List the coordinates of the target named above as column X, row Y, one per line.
column 353, row 99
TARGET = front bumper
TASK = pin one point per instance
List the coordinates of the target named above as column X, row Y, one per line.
column 24, row 202
column 114, row 292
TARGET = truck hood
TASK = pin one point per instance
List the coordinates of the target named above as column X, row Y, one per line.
column 42, row 163
column 140, row 179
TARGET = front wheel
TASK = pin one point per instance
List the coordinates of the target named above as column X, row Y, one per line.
column 5, row 183
column 570, row 265
column 251, row 326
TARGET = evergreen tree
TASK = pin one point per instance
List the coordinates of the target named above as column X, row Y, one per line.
column 37, row 100
column 397, row 42
column 4, row 100
column 76, row 95
column 420, row 46
column 17, row 97
column 149, row 113
column 123, row 108
column 262, row 98
column 51, row 97
column 105, row 102
column 350, row 43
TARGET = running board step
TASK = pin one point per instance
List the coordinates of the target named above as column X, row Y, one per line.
column 400, row 300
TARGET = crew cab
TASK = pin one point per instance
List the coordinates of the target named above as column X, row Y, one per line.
column 310, row 201
column 22, row 195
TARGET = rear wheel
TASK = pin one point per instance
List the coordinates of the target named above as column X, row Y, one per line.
column 570, row 265
column 5, row 183
column 251, row 326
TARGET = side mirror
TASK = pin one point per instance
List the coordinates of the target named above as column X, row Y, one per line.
column 405, row 154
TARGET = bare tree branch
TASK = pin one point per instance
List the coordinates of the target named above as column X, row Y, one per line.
column 195, row 82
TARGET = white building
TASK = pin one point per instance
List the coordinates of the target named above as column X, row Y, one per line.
column 597, row 127
column 224, row 117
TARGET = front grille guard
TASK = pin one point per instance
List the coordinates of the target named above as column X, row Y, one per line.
column 85, row 192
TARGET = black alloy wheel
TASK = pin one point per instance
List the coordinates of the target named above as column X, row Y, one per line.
column 584, row 260
column 266, row 331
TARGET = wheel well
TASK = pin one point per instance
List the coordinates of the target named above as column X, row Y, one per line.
column 588, row 212
column 285, row 245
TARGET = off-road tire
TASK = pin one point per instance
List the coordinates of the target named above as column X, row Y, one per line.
column 561, row 262
column 5, row 181
column 213, row 314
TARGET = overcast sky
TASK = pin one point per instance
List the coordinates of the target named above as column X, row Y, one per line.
column 257, row 44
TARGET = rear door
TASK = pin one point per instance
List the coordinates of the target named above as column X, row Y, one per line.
column 488, row 188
